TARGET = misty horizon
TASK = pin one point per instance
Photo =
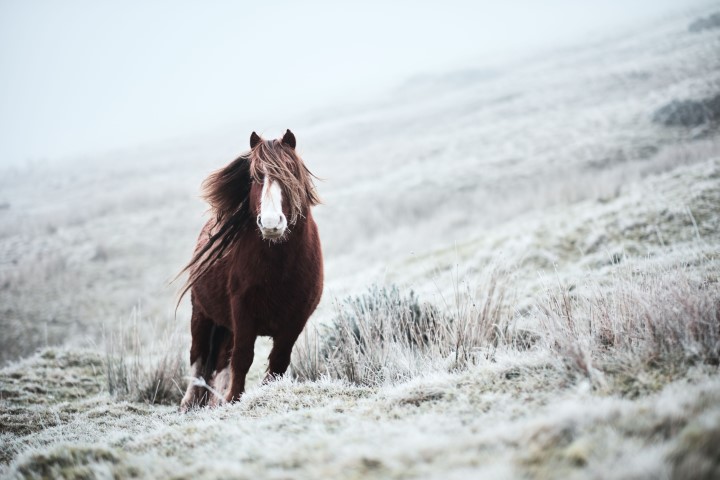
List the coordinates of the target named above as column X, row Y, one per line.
column 85, row 77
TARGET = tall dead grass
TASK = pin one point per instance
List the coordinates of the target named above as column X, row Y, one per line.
column 640, row 321
column 144, row 360
column 636, row 321
column 387, row 336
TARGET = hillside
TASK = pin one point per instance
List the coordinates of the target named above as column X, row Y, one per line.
column 512, row 412
column 435, row 163
column 529, row 257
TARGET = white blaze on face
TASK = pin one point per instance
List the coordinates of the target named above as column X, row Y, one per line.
column 272, row 221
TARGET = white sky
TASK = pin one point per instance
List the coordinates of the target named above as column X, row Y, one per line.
column 83, row 76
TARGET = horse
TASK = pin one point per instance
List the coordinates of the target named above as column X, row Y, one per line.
column 257, row 269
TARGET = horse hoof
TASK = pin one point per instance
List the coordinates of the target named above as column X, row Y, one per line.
column 233, row 398
column 190, row 402
column 271, row 377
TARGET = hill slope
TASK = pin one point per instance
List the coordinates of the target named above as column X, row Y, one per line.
column 510, row 412
column 433, row 164
column 560, row 216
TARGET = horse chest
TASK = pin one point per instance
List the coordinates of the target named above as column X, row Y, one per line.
column 266, row 294
column 264, row 307
column 254, row 271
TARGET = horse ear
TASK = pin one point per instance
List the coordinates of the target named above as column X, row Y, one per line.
column 254, row 139
column 289, row 139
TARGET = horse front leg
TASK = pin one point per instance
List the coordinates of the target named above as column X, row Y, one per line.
column 202, row 360
column 279, row 359
column 241, row 359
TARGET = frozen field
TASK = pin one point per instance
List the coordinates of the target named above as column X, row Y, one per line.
column 546, row 180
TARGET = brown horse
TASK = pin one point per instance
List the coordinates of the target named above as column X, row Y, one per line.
column 257, row 268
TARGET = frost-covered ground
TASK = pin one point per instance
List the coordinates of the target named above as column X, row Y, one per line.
column 549, row 170
column 512, row 418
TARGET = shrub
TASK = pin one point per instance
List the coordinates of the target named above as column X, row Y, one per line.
column 640, row 321
column 689, row 113
column 394, row 316
column 387, row 336
column 705, row 23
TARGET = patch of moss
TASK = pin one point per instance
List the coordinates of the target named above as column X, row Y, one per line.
column 552, row 448
column 50, row 377
column 697, row 453
column 47, row 390
column 418, row 396
column 22, row 420
column 640, row 381
column 73, row 462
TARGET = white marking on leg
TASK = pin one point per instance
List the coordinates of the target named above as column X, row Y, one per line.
column 189, row 399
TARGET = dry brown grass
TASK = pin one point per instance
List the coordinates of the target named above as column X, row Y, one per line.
column 642, row 320
column 144, row 361
column 660, row 321
column 386, row 336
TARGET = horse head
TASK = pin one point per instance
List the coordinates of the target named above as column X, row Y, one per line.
column 282, row 189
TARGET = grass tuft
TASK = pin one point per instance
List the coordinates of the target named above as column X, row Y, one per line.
column 150, row 371
column 386, row 336
column 643, row 321
column 636, row 332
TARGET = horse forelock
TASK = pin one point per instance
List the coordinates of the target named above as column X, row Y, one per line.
column 283, row 165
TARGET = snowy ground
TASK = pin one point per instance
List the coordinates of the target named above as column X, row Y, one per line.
column 551, row 169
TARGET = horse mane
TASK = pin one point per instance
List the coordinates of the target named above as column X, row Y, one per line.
column 228, row 191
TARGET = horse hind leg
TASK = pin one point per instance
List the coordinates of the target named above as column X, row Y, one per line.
column 206, row 340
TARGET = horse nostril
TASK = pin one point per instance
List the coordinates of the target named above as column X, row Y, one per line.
column 259, row 221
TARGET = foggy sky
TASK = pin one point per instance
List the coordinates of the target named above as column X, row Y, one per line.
column 85, row 76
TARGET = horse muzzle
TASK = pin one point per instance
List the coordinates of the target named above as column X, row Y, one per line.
column 272, row 227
